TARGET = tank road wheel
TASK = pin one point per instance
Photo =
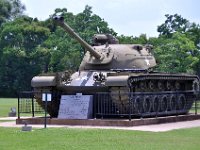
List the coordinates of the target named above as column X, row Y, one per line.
column 195, row 86
column 142, row 85
column 177, row 85
column 124, row 96
column 138, row 105
column 169, row 86
column 147, row 104
column 155, row 104
column 172, row 103
column 163, row 103
column 181, row 102
column 115, row 96
column 120, row 98
column 161, row 85
column 151, row 85
column 116, row 101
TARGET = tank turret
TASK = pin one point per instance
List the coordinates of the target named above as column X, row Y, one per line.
column 108, row 54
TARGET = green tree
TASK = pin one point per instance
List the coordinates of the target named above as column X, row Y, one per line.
column 142, row 39
column 20, row 40
column 176, row 23
column 10, row 9
column 173, row 23
column 176, row 54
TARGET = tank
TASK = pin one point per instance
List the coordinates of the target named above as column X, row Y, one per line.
column 125, row 72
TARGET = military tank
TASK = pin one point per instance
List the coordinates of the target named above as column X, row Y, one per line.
column 125, row 72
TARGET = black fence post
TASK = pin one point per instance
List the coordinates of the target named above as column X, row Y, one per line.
column 94, row 104
column 129, row 105
column 18, row 105
column 45, row 118
column 176, row 105
column 33, row 111
column 195, row 106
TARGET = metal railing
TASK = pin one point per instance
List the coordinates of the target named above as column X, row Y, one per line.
column 27, row 104
column 126, row 105
column 139, row 105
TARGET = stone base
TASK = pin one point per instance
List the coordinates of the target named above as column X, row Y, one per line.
column 12, row 114
column 109, row 122
column 26, row 128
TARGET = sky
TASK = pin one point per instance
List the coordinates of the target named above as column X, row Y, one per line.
column 127, row 17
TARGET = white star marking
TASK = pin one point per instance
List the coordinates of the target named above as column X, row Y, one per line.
column 147, row 61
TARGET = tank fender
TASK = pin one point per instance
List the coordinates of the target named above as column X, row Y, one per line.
column 117, row 80
column 41, row 81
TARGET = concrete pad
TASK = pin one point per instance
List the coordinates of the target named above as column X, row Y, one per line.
column 168, row 126
column 109, row 122
column 8, row 118
column 152, row 128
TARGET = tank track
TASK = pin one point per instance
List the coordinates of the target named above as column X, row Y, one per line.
column 156, row 94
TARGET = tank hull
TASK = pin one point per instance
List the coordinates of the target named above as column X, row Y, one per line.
column 141, row 94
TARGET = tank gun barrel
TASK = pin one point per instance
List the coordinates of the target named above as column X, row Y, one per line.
column 60, row 21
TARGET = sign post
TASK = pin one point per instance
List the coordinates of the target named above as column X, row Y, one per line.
column 46, row 97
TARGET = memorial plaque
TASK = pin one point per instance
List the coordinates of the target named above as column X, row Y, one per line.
column 76, row 107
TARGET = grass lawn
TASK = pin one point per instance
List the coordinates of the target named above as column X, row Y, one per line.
column 6, row 104
column 98, row 139
column 93, row 139
column 6, row 120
